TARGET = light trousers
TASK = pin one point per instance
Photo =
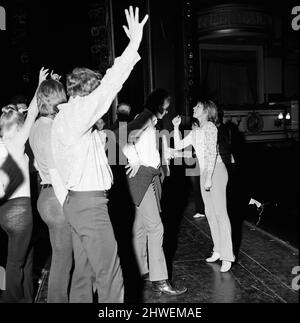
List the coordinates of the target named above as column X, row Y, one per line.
column 148, row 232
column 216, row 212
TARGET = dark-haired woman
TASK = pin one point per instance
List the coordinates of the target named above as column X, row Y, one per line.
column 51, row 93
column 213, row 179
column 15, row 204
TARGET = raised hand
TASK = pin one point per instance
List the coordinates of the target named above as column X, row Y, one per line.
column 43, row 75
column 169, row 153
column 55, row 76
column 176, row 121
column 134, row 30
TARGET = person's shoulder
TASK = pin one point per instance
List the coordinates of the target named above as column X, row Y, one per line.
column 211, row 126
column 59, row 119
column 34, row 128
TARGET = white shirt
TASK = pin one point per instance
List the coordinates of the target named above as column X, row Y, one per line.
column 40, row 143
column 144, row 150
column 78, row 152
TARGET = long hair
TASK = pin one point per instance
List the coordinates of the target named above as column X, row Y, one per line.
column 82, row 81
column 10, row 116
column 212, row 111
column 50, row 94
column 195, row 123
column 155, row 101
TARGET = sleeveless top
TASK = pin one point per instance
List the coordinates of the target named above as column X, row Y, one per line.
column 14, row 173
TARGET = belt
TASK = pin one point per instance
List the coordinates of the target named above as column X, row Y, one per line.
column 88, row 193
column 46, row 185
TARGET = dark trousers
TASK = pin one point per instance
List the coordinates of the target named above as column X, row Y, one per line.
column 16, row 221
column 52, row 214
column 95, row 249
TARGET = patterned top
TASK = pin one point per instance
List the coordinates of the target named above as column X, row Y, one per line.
column 204, row 141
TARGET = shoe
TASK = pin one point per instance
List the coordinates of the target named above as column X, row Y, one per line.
column 215, row 256
column 198, row 215
column 164, row 286
column 226, row 265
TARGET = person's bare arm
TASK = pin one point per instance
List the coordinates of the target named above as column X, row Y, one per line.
column 32, row 113
column 180, row 143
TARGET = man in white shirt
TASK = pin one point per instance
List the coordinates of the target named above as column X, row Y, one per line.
column 81, row 161
column 144, row 184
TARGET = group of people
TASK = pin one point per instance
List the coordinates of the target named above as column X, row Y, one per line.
column 64, row 129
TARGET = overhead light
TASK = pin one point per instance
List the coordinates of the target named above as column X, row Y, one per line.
column 288, row 116
column 280, row 116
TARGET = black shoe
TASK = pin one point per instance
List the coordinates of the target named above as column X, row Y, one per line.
column 164, row 286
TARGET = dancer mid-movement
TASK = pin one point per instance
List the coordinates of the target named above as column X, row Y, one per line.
column 213, row 179
column 143, row 170
column 80, row 158
column 15, row 207
column 51, row 93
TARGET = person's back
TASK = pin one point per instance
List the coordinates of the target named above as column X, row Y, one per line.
column 11, row 176
column 16, row 152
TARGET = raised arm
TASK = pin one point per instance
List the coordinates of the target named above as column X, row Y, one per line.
column 87, row 110
column 32, row 113
column 180, row 143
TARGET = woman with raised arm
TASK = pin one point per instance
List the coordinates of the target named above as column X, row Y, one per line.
column 213, row 179
column 53, row 193
column 15, row 207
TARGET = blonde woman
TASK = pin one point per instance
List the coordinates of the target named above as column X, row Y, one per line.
column 51, row 93
column 15, row 204
column 213, row 179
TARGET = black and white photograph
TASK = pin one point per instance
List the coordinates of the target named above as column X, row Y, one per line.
column 148, row 156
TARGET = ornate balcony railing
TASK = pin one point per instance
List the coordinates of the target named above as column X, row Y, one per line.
column 233, row 20
column 279, row 122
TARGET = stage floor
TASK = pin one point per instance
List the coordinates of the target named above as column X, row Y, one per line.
column 262, row 273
